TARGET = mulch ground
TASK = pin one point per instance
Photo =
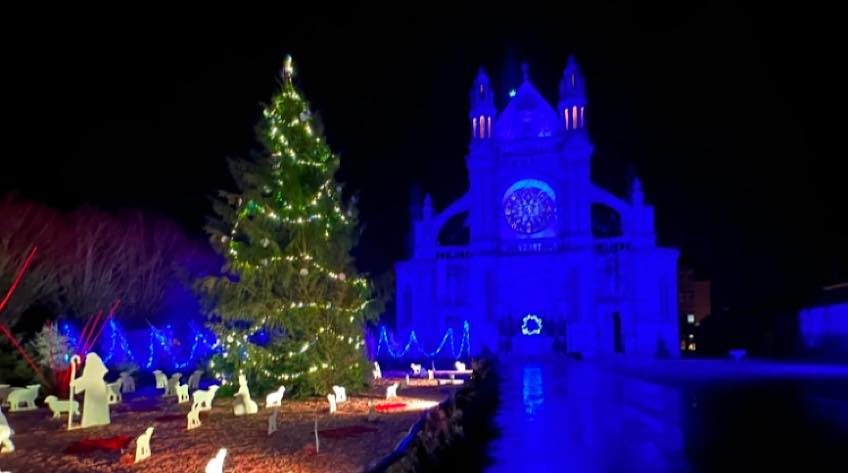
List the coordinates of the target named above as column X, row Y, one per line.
column 349, row 444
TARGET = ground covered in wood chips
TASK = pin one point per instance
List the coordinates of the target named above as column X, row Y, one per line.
column 40, row 440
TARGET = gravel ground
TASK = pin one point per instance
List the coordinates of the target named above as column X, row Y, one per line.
column 40, row 440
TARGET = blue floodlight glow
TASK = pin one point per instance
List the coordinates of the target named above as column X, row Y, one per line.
column 511, row 93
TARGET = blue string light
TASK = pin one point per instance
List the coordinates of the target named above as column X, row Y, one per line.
column 116, row 348
column 413, row 343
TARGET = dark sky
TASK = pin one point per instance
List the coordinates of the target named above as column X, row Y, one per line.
column 724, row 112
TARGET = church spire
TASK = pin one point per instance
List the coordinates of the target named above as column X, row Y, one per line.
column 572, row 96
column 482, row 107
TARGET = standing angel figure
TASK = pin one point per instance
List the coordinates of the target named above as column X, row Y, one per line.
column 95, row 407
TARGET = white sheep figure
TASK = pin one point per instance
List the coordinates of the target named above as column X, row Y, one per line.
column 25, row 396
column 216, row 465
column 171, row 387
column 6, row 432
column 242, row 403
column 416, row 369
column 203, row 397
column 272, row 422
column 377, row 372
column 275, row 398
column 59, row 406
column 341, row 393
column 114, row 392
column 193, row 417
column 127, row 382
column 182, row 393
column 142, row 445
column 194, row 379
column 161, row 379
column 331, row 398
column 460, row 366
column 391, row 391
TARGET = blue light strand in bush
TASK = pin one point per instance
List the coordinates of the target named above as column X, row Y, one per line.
column 117, row 348
column 465, row 344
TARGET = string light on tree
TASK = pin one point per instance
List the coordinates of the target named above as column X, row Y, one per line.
column 291, row 279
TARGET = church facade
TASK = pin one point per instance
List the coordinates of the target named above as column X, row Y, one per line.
column 540, row 272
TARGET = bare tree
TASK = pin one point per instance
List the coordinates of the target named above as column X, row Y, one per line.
column 94, row 272
column 24, row 225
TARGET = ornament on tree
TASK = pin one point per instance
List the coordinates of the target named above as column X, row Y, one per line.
column 304, row 272
column 265, row 242
column 342, row 276
column 224, row 238
column 305, row 116
column 264, row 261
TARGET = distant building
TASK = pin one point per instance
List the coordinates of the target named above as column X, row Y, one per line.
column 694, row 300
column 824, row 324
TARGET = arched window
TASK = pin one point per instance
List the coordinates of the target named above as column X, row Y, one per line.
column 489, row 126
column 482, row 126
column 474, row 127
column 582, row 118
column 565, row 114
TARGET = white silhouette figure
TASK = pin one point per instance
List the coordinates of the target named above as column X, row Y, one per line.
column 95, row 406
column 275, row 398
column 142, row 445
column 216, row 465
column 391, row 391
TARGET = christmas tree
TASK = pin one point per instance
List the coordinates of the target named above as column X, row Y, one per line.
column 290, row 308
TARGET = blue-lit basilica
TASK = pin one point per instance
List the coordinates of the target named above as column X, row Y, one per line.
column 539, row 273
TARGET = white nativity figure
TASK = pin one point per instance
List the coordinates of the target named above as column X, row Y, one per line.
column 272, row 422
column 203, row 397
column 25, row 396
column 378, row 374
column 6, row 432
column 275, row 398
column 416, row 369
column 391, row 391
column 95, row 405
column 331, row 398
column 242, row 403
column 193, row 417
column 182, row 393
column 142, row 445
column 173, row 382
column 161, row 379
column 406, row 381
column 216, row 465
column 127, row 382
column 341, row 394
column 194, row 380
column 431, row 374
column 58, row 406
column 460, row 366
column 115, row 392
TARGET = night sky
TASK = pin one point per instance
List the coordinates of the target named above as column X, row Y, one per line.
column 725, row 114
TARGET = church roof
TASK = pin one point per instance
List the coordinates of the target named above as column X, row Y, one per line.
column 528, row 115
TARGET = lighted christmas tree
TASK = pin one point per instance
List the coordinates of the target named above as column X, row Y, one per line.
column 290, row 309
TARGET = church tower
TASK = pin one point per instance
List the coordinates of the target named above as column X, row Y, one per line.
column 483, row 110
column 572, row 97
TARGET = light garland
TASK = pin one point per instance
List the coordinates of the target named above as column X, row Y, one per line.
column 525, row 325
column 465, row 344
